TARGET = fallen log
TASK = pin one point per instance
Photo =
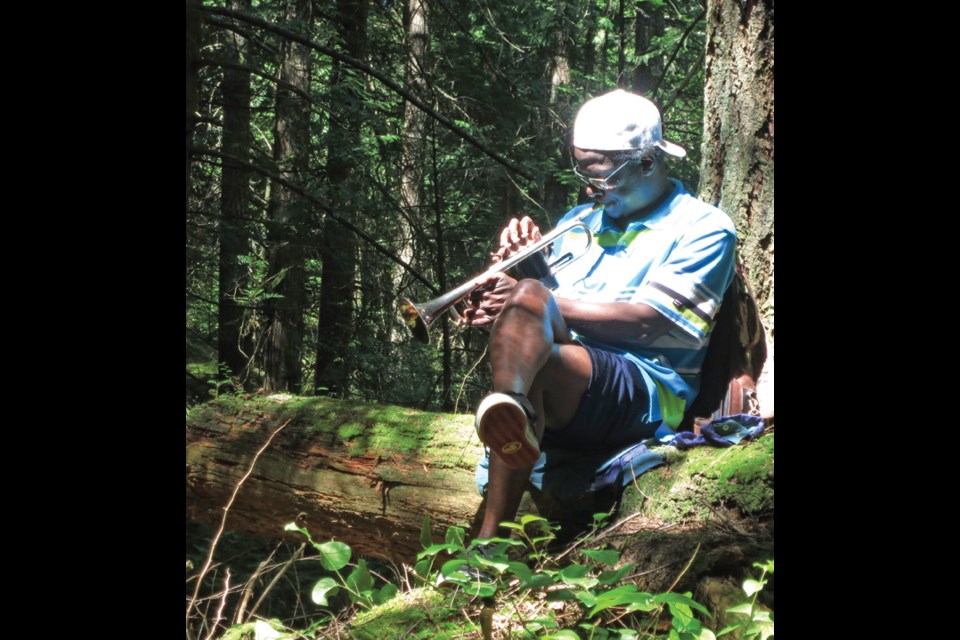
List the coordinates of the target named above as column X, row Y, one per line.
column 365, row 474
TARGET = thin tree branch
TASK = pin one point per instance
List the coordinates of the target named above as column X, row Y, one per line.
column 676, row 92
column 676, row 52
column 223, row 522
column 362, row 66
column 316, row 201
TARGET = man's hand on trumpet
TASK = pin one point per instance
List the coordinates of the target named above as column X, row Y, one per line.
column 517, row 235
column 486, row 302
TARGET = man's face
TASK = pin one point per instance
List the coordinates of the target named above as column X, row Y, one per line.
column 628, row 190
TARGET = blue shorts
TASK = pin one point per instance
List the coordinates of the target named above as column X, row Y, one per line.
column 614, row 410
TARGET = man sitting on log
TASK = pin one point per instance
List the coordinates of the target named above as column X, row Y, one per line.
column 615, row 350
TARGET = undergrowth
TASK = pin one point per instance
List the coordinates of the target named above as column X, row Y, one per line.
column 516, row 587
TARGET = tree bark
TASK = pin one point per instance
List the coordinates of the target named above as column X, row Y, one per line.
column 234, row 200
column 287, row 214
column 193, row 46
column 338, row 252
column 737, row 169
column 649, row 24
column 361, row 473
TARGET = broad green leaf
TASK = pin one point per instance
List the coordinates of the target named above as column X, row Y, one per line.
column 333, row 555
column 360, row 578
column 511, row 525
column 706, row 634
column 324, row 587
column 576, row 574
column 540, row 539
column 455, row 536
column 426, row 534
column 727, row 630
column 676, row 598
column 539, row 581
column 744, row 607
column 499, row 565
column 750, row 586
column 434, row 549
column 613, row 577
column 768, row 565
column 762, row 616
column 520, row 570
column 527, row 519
column 609, row 557
column 263, row 631
column 560, row 595
column 563, row 634
column 587, row 598
column 386, row 593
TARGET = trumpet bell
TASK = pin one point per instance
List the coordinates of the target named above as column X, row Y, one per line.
column 416, row 319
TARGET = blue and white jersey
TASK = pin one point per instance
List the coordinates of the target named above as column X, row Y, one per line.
column 679, row 260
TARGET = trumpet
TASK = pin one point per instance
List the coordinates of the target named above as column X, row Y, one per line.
column 419, row 317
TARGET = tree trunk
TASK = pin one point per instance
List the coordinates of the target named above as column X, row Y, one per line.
column 737, row 169
column 193, row 46
column 365, row 474
column 338, row 251
column 649, row 24
column 234, row 200
column 287, row 213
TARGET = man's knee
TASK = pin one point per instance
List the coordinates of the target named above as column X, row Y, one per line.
column 529, row 296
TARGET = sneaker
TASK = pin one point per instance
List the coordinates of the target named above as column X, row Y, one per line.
column 505, row 424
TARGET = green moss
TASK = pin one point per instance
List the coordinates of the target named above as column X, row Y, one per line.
column 421, row 613
column 441, row 440
column 695, row 482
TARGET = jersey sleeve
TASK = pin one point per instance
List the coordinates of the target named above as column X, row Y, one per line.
column 688, row 286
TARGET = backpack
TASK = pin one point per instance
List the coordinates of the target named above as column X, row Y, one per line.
column 734, row 360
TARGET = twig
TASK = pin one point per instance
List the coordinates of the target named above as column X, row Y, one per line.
column 296, row 556
column 579, row 543
column 689, row 562
column 223, row 604
column 223, row 521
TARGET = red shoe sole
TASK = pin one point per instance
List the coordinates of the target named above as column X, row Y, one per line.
column 503, row 428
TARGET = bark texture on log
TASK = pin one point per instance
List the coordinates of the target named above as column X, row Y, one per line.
column 360, row 473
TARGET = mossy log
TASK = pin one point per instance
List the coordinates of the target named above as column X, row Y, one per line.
column 366, row 474
column 362, row 473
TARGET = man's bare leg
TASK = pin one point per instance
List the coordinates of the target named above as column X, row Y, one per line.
column 526, row 359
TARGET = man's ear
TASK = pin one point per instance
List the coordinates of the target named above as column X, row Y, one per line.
column 647, row 164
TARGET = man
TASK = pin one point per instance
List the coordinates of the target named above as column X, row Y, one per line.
column 614, row 352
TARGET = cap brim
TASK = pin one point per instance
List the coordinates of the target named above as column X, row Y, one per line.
column 672, row 149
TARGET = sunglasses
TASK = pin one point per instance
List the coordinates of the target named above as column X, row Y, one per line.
column 604, row 184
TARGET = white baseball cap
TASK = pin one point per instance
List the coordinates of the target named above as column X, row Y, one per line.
column 619, row 121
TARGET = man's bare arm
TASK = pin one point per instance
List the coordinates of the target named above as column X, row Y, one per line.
column 614, row 320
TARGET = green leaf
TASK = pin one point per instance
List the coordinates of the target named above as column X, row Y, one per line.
column 744, row 607
column 676, row 598
column 455, row 536
column 426, row 535
column 613, row 577
column 727, row 630
column 751, row 587
column 511, row 525
column 527, row 519
column 520, row 570
column 324, row 587
column 386, row 593
column 539, row 581
column 587, row 598
column 576, row 575
column 360, row 579
column 434, row 549
column 766, row 566
column 762, row 616
column 560, row 595
column 333, row 555
column 706, row 634
column 563, row 634
column 499, row 565
column 609, row 557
